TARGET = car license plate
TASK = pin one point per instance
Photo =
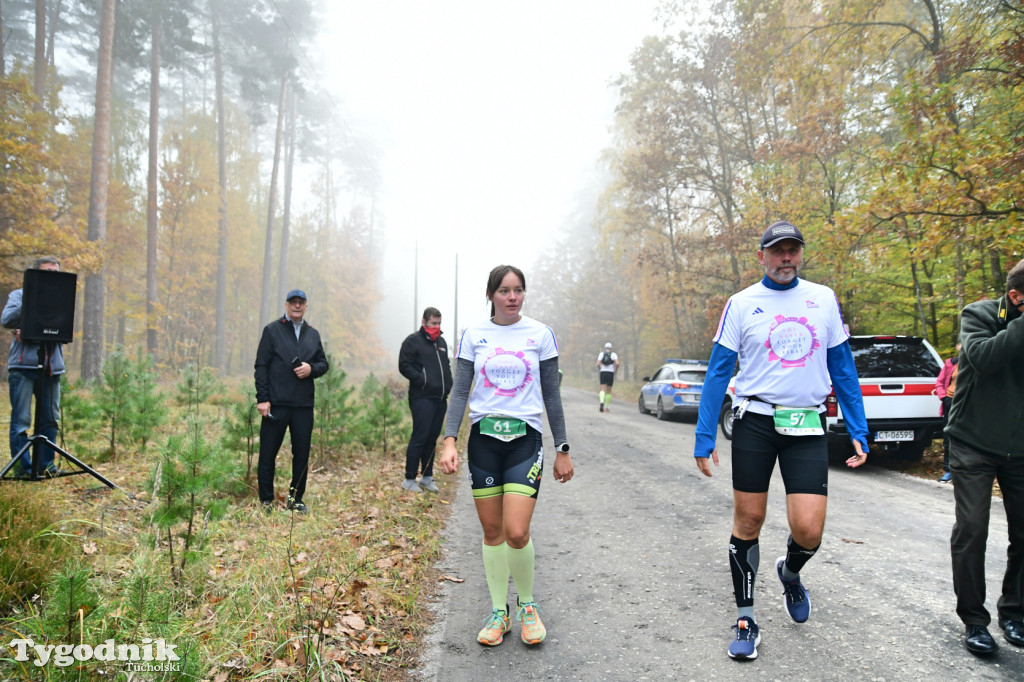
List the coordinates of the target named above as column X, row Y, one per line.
column 890, row 436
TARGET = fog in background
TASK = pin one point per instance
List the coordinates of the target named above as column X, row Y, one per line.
column 489, row 119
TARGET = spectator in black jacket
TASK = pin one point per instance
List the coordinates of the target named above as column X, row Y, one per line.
column 986, row 444
column 423, row 360
column 290, row 356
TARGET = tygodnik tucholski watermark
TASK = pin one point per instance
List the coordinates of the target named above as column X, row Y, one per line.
column 153, row 655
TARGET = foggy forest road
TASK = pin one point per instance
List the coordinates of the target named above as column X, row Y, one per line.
column 633, row 579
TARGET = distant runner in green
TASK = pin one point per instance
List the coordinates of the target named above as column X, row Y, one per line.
column 607, row 365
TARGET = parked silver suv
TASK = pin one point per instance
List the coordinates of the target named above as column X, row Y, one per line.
column 897, row 379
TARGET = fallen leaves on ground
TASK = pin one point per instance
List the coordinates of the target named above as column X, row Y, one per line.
column 277, row 595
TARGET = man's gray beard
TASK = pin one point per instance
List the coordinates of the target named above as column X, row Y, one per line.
column 796, row 273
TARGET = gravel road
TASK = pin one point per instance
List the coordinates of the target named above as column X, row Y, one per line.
column 633, row 578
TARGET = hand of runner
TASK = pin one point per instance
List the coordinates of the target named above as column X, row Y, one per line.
column 449, row 461
column 563, row 467
column 704, row 466
column 859, row 456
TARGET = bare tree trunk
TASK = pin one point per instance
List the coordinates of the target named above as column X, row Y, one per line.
column 3, row 68
column 92, row 332
column 325, row 224
column 152, row 182
column 282, row 272
column 918, row 302
column 920, row 317
column 998, row 276
column 39, row 65
column 933, row 321
column 960, row 271
column 54, row 16
column 268, row 257
column 220, row 344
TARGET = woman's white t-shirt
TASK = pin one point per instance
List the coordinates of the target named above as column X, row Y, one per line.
column 506, row 363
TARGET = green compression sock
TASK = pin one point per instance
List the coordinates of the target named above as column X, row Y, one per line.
column 496, row 570
column 520, row 565
column 608, row 400
column 600, row 396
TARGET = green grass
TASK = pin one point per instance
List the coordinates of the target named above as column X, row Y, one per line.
column 334, row 595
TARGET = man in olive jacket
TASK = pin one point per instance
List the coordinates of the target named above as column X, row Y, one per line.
column 423, row 360
column 986, row 443
column 290, row 356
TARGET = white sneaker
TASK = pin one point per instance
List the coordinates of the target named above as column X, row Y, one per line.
column 427, row 483
column 411, row 485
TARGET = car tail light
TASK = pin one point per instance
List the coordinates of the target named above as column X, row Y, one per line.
column 676, row 384
column 831, row 405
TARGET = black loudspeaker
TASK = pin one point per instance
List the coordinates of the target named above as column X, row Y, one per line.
column 48, row 306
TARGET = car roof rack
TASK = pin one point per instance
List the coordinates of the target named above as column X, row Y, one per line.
column 686, row 361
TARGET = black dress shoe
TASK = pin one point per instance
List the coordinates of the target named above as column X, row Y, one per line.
column 978, row 641
column 1013, row 631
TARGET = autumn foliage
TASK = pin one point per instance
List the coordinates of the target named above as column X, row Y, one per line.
column 890, row 132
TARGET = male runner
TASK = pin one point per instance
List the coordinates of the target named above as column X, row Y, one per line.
column 607, row 364
column 793, row 349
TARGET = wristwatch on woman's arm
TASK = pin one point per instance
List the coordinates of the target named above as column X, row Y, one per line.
column 564, row 447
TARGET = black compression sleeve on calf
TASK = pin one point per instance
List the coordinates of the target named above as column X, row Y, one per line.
column 797, row 556
column 744, row 556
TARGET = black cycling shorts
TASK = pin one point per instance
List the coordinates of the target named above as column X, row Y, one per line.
column 607, row 379
column 498, row 467
column 803, row 460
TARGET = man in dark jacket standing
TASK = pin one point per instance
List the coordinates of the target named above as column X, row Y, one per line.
column 423, row 360
column 986, row 443
column 290, row 356
column 34, row 370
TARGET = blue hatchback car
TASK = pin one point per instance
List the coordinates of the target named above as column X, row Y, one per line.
column 674, row 389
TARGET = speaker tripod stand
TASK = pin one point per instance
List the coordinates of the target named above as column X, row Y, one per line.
column 38, row 474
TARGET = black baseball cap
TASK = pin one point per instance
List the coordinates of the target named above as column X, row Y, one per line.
column 776, row 232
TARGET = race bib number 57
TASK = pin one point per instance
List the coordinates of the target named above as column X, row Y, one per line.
column 798, row 421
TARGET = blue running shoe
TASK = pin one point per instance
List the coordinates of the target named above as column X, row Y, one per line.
column 748, row 636
column 794, row 596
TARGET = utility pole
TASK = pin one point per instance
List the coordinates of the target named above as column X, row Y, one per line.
column 416, row 284
column 455, row 308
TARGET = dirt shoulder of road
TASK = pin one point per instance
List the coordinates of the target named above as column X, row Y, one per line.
column 928, row 467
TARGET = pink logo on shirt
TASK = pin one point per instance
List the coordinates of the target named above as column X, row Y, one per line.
column 506, row 371
column 792, row 340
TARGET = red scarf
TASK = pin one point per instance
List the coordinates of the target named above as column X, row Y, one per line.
column 432, row 332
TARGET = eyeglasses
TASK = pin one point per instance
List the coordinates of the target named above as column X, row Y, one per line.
column 296, row 301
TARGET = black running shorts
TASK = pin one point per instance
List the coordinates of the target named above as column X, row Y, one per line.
column 607, row 379
column 803, row 460
column 498, row 467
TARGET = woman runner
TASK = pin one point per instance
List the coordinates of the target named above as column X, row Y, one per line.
column 515, row 362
